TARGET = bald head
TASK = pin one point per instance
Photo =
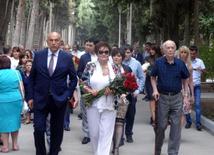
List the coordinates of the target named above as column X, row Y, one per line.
column 53, row 41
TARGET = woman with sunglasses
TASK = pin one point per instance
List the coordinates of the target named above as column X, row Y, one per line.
column 101, row 114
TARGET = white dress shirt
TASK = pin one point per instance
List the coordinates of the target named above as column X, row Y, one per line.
column 55, row 58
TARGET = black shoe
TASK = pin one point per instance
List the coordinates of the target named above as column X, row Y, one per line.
column 188, row 125
column 116, row 151
column 199, row 128
column 67, row 129
column 129, row 139
column 60, row 149
column 85, row 140
column 80, row 116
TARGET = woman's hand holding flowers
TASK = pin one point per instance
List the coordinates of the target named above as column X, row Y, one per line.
column 107, row 91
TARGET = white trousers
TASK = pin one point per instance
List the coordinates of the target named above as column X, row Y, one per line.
column 101, row 128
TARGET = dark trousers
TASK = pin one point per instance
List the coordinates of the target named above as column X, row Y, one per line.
column 67, row 116
column 56, row 127
column 130, row 115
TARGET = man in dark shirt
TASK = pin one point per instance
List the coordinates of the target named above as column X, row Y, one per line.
column 168, row 77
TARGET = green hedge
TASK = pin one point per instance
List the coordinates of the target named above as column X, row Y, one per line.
column 207, row 55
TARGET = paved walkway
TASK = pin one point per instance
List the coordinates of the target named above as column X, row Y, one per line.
column 193, row 141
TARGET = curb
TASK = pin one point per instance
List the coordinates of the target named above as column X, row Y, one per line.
column 206, row 123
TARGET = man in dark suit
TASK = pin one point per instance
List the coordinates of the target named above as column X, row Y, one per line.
column 136, row 53
column 49, row 92
column 84, row 59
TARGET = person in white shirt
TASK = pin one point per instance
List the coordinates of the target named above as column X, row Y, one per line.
column 76, row 52
column 15, row 57
column 198, row 68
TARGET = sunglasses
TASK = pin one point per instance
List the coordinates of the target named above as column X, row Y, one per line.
column 103, row 52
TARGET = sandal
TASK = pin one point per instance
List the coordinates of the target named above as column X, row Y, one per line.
column 4, row 149
column 16, row 148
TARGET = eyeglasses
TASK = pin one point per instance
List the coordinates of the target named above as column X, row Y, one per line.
column 101, row 52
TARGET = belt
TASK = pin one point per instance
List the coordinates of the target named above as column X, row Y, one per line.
column 169, row 93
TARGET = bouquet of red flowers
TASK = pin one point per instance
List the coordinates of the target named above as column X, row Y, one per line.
column 126, row 83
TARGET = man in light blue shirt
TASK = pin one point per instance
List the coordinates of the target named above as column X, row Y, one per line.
column 137, row 70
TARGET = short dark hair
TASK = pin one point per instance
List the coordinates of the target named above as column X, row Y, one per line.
column 127, row 47
column 4, row 62
column 92, row 40
column 102, row 44
column 116, row 51
column 6, row 49
column 148, row 43
column 193, row 48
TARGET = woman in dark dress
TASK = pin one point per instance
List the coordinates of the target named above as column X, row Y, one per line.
column 154, row 54
column 121, row 102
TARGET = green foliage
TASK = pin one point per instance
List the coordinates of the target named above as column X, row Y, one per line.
column 207, row 55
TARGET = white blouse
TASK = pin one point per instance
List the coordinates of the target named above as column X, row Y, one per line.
column 99, row 81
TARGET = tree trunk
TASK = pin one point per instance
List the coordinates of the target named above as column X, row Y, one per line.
column 34, row 14
column 5, row 12
column 36, row 34
column 19, row 19
column 186, row 30
column 29, row 17
column 196, row 22
column 11, row 26
column 23, row 32
column 50, row 17
column 41, row 29
column 129, row 25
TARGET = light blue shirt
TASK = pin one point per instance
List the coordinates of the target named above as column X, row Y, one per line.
column 55, row 58
column 197, row 65
column 137, row 70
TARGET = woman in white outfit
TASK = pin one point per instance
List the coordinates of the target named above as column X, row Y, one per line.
column 101, row 114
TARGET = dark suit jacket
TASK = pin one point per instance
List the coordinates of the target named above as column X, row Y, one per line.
column 41, row 84
column 139, row 57
column 84, row 59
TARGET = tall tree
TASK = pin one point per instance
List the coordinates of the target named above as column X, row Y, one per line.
column 19, row 20
column 4, row 18
column 34, row 14
column 196, row 22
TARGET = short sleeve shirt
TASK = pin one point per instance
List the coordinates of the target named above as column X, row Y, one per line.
column 169, row 76
column 196, row 74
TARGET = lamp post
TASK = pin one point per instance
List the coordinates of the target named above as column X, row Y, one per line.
column 129, row 25
column 119, row 34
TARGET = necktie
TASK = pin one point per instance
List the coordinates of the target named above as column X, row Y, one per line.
column 51, row 65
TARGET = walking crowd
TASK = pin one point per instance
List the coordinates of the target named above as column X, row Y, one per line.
column 45, row 86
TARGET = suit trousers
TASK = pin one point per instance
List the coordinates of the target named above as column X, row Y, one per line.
column 56, row 127
column 130, row 115
column 169, row 109
column 84, row 119
column 101, row 128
